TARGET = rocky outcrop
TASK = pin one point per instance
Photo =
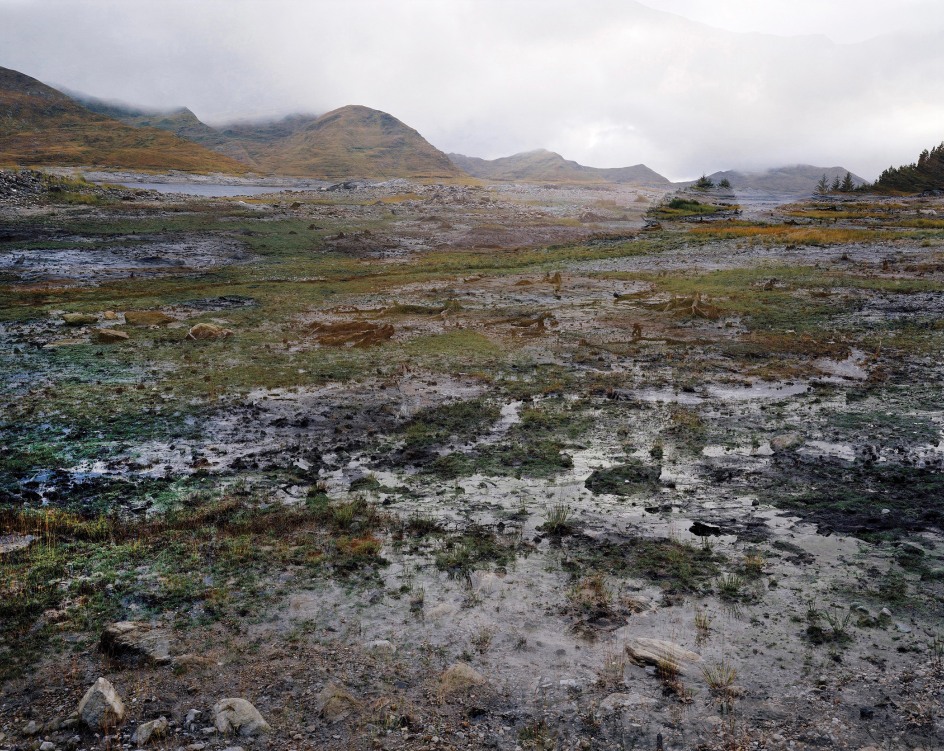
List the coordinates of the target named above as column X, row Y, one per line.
column 135, row 642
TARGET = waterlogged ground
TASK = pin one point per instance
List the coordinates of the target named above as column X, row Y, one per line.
column 502, row 426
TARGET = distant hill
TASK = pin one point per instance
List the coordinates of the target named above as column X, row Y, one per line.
column 546, row 166
column 801, row 178
column 352, row 141
column 40, row 125
column 925, row 174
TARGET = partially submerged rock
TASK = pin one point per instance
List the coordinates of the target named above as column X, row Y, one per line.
column 110, row 336
column 101, row 708
column 208, row 332
column 238, row 716
column 79, row 319
column 147, row 318
column 133, row 641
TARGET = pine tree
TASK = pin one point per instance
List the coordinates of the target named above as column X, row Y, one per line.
column 724, row 183
column 847, row 185
column 836, row 185
column 822, row 187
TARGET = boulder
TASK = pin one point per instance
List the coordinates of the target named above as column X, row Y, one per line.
column 147, row 318
column 79, row 319
column 460, row 678
column 110, row 336
column 207, row 332
column 101, row 708
column 148, row 730
column 335, row 703
column 657, row 652
column 785, row 441
column 135, row 642
column 380, row 646
column 238, row 716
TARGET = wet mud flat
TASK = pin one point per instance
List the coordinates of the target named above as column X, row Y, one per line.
column 681, row 483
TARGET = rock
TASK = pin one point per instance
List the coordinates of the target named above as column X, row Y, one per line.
column 238, row 715
column 785, row 441
column 902, row 627
column 79, row 319
column 101, row 708
column 208, row 331
column 110, row 315
column 110, row 336
column 442, row 610
column 885, row 613
column 615, row 702
column 148, row 730
column 335, row 703
column 656, row 652
column 460, row 678
column 47, row 746
column 32, row 728
column 13, row 543
column 147, row 318
column 192, row 716
column 133, row 641
column 380, row 646
column 189, row 661
column 63, row 343
column 234, row 748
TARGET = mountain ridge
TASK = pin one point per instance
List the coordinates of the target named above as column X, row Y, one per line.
column 42, row 125
column 542, row 165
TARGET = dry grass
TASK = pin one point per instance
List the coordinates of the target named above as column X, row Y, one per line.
column 792, row 235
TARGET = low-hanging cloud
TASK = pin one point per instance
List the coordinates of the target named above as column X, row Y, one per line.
column 606, row 83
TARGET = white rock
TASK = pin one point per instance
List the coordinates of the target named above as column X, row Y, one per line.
column 380, row 646
column 238, row 716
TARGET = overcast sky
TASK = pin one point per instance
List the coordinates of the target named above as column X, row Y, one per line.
column 684, row 86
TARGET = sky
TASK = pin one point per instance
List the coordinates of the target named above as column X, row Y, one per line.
column 684, row 86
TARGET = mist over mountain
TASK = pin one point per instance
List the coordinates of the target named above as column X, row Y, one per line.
column 41, row 125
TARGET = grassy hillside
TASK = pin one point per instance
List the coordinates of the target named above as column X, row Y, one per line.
column 352, row 141
column 546, row 166
column 42, row 126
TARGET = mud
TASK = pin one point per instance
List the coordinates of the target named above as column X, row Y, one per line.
column 565, row 460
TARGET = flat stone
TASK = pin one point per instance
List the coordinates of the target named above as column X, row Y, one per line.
column 110, row 336
column 133, row 641
column 656, row 652
column 615, row 702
